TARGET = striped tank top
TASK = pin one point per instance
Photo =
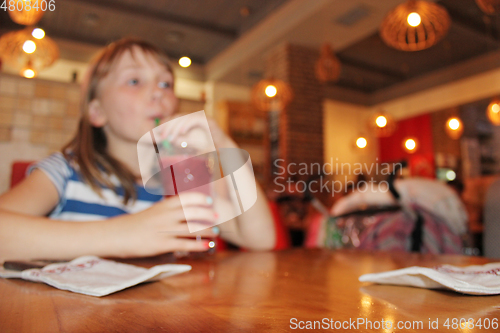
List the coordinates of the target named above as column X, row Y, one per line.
column 77, row 200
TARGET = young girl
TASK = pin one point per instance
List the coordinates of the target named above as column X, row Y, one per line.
column 96, row 178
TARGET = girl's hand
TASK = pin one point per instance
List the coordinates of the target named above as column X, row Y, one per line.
column 162, row 227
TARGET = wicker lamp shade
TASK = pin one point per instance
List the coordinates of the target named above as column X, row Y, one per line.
column 328, row 66
column 11, row 49
column 493, row 111
column 490, row 7
column 434, row 23
column 271, row 94
column 25, row 16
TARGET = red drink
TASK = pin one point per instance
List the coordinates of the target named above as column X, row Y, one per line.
column 183, row 173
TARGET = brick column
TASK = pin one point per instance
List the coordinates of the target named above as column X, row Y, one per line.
column 301, row 123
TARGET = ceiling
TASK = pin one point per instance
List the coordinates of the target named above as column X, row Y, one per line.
column 228, row 39
column 198, row 28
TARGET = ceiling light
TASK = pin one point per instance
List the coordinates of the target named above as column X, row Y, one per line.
column 454, row 128
column 29, row 46
column 493, row 112
column 38, row 33
column 271, row 94
column 18, row 50
column 185, row 62
column 414, row 19
column 410, row 145
column 28, row 73
column 450, row 175
column 271, row 91
column 454, row 124
column 429, row 20
column 361, row 142
column 495, row 108
column 27, row 15
column 382, row 124
column 381, row 121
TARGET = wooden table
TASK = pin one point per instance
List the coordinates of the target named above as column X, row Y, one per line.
column 254, row 292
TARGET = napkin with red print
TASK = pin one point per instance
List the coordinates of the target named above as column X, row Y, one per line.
column 94, row 276
column 472, row 280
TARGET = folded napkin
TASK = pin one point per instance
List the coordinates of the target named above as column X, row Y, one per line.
column 94, row 276
column 472, row 280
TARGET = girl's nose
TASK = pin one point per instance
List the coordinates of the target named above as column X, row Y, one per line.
column 157, row 92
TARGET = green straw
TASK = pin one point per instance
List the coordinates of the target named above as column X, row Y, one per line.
column 165, row 143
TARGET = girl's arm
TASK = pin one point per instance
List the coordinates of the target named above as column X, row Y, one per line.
column 254, row 229
column 26, row 234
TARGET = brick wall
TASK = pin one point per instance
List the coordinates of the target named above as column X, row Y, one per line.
column 301, row 123
column 36, row 111
column 37, row 117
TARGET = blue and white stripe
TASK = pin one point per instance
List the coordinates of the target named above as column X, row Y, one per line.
column 78, row 202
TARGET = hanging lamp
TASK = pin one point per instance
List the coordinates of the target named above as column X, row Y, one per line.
column 270, row 94
column 415, row 25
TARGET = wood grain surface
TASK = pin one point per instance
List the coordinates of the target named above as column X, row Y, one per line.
column 251, row 292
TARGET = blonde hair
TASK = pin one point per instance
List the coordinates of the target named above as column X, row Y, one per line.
column 88, row 149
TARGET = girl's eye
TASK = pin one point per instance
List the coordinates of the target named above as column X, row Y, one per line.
column 165, row 84
column 133, row 82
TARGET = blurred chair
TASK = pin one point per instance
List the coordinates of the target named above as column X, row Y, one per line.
column 18, row 172
column 491, row 233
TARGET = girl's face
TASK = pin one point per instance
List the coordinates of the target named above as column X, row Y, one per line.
column 137, row 90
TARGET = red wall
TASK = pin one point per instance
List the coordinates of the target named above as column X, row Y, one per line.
column 421, row 162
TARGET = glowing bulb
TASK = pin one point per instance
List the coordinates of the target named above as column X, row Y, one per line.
column 271, row 91
column 361, row 142
column 454, row 124
column 184, row 144
column 495, row 108
column 185, row 62
column 414, row 19
column 451, row 175
column 29, row 46
column 211, row 244
column 28, row 73
column 410, row 144
column 38, row 33
column 381, row 121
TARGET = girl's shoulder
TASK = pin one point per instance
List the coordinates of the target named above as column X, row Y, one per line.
column 58, row 167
